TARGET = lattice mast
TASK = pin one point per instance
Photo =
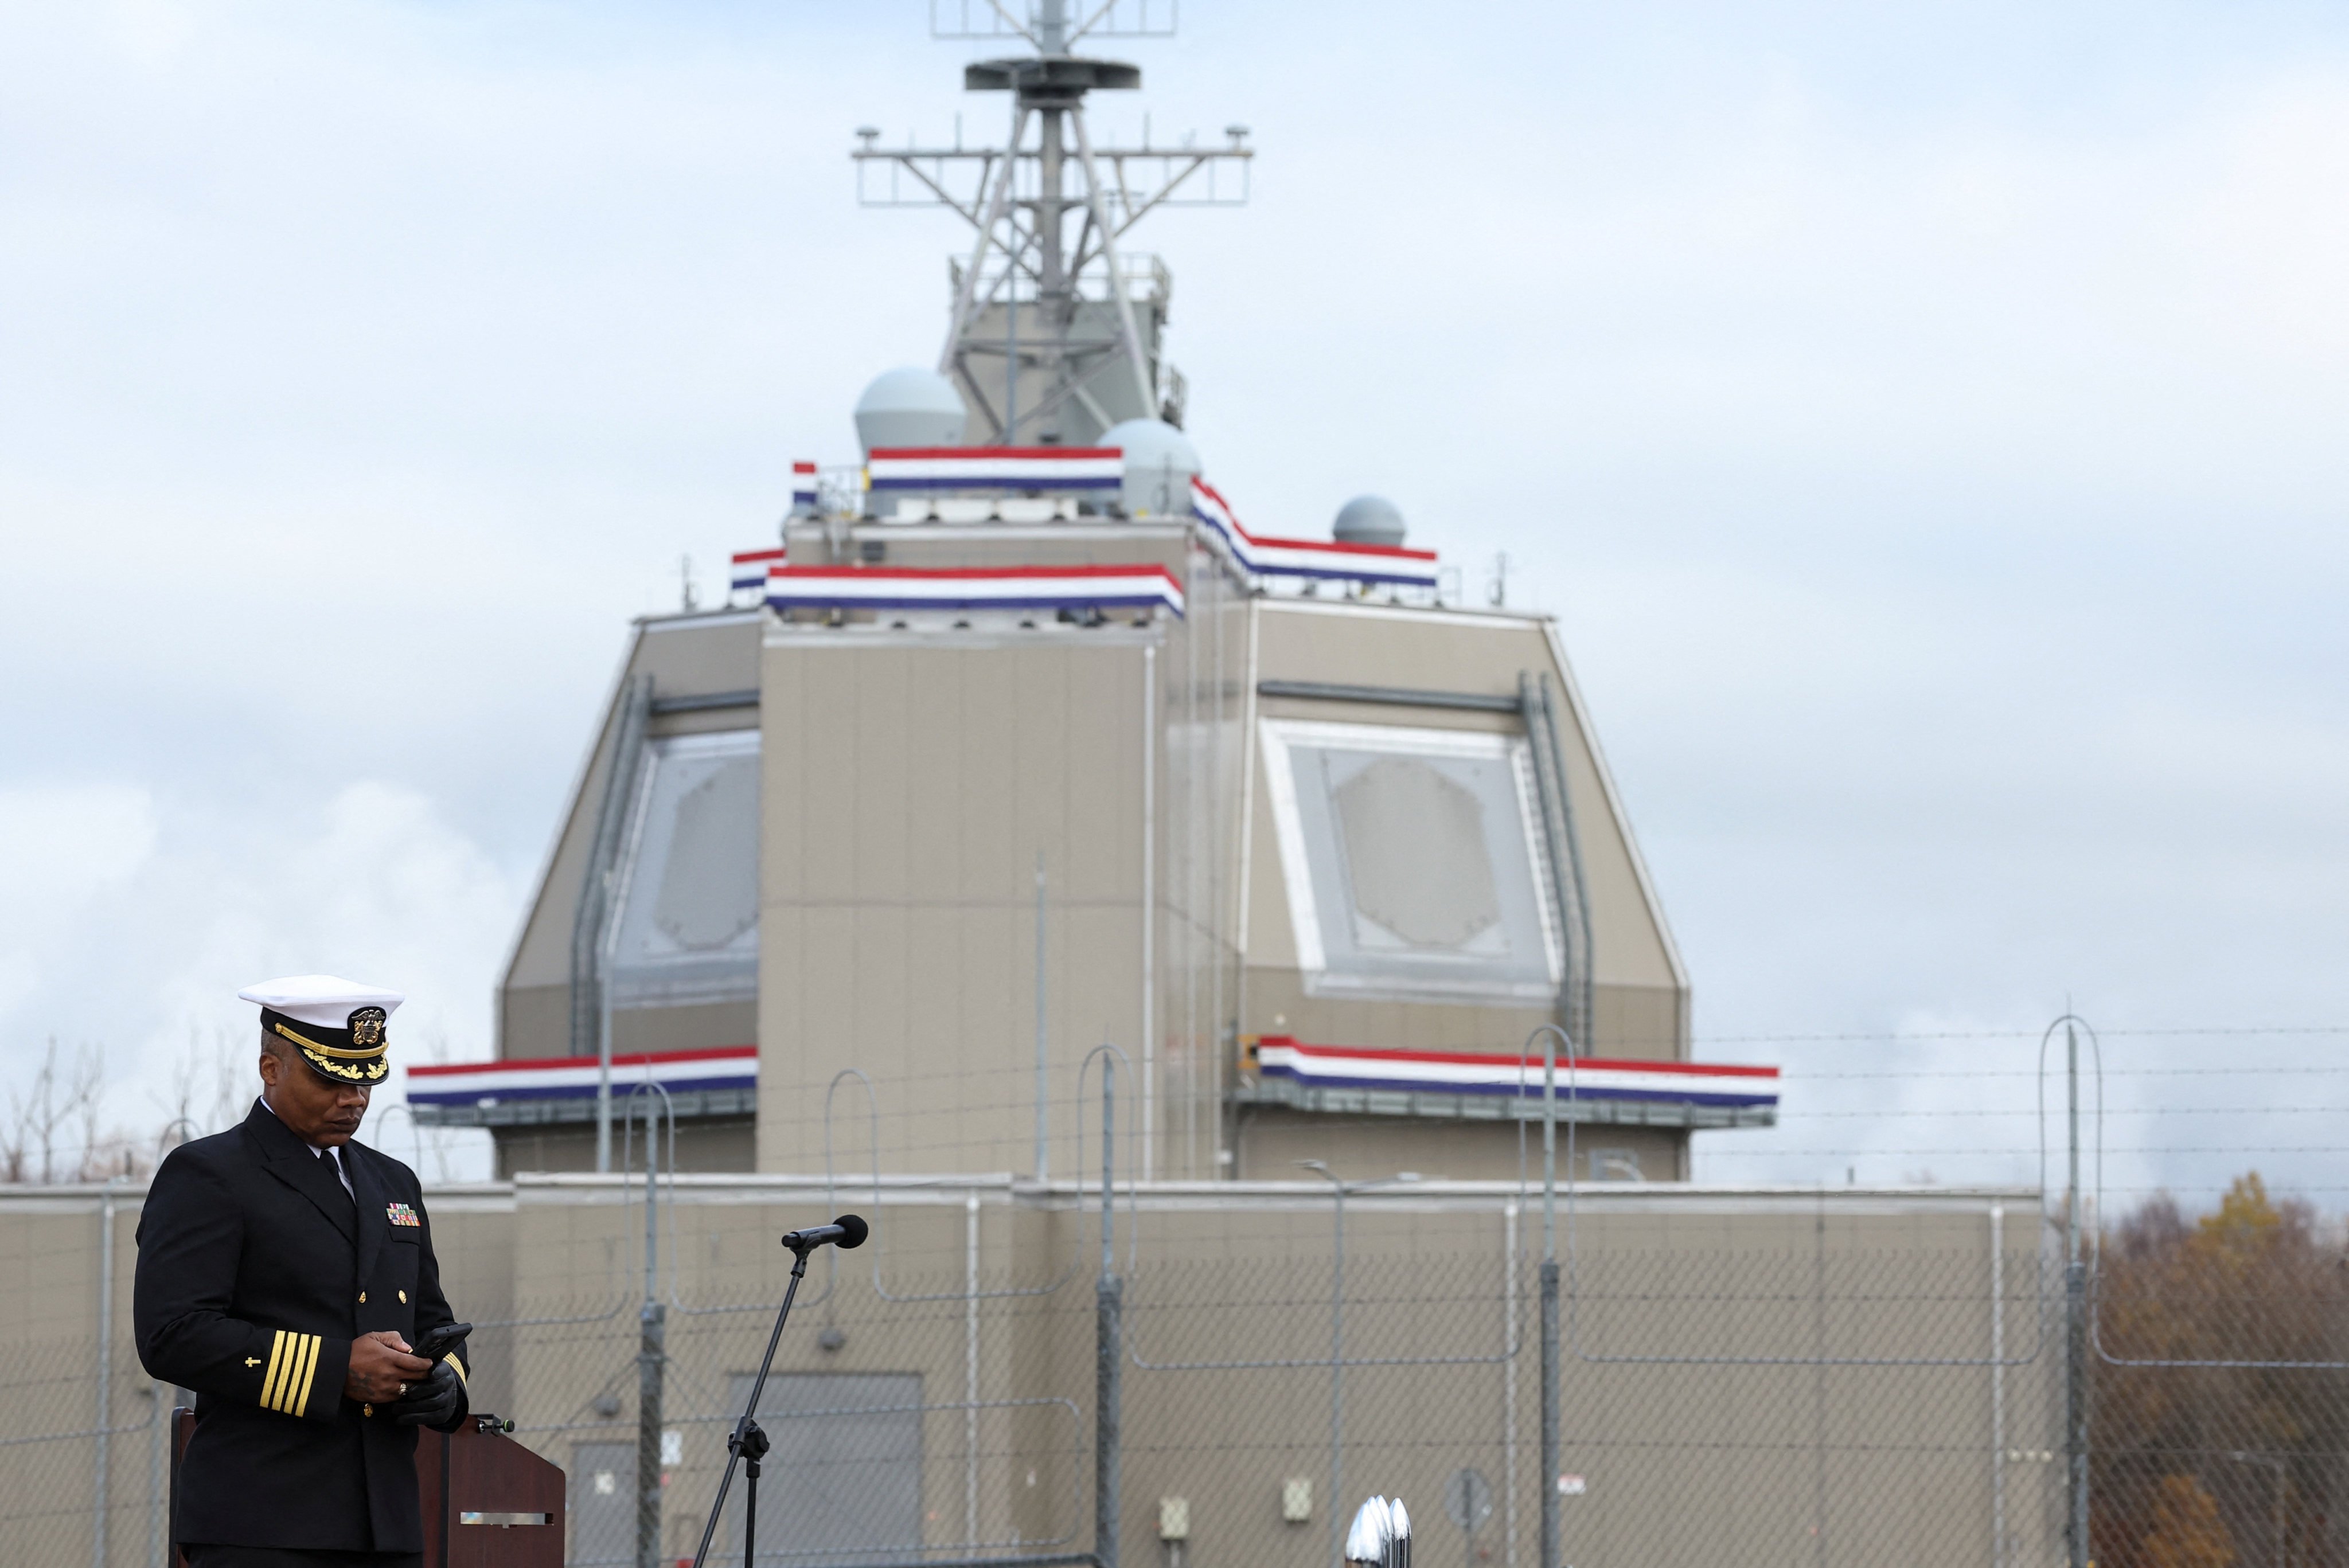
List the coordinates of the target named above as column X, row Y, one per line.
column 1055, row 332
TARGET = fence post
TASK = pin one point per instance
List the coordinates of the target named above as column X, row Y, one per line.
column 1110, row 1301
column 1997, row 1386
column 2075, row 1328
column 1550, row 1544
column 159, row 1494
column 652, row 1344
column 652, row 1355
column 1549, row 1414
column 105, row 1374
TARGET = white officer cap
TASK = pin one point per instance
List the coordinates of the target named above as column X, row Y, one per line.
column 337, row 1024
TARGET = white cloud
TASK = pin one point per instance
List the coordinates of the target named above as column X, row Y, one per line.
column 369, row 881
column 61, row 848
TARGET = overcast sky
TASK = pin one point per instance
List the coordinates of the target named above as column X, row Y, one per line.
column 1928, row 422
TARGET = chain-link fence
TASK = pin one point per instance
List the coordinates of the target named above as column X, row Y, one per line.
column 1761, row 1379
column 2221, row 1388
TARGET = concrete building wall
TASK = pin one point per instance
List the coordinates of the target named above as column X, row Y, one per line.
column 911, row 782
column 1752, row 1376
column 913, row 767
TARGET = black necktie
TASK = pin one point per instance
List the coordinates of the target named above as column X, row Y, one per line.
column 332, row 1159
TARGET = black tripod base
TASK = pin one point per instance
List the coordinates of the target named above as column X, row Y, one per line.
column 747, row 1445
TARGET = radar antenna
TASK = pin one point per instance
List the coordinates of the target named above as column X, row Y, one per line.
column 1056, row 332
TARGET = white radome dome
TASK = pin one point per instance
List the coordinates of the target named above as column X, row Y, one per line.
column 1368, row 520
column 1160, row 464
column 910, row 407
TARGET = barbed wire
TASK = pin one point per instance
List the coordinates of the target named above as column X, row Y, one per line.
column 1897, row 1038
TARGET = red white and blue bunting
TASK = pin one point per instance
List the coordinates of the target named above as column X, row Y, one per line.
column 1347, row 1078
column 1324, row 559
column 752, row 566
column 486, row 1085
column 1014, row 469
column 1031, row 588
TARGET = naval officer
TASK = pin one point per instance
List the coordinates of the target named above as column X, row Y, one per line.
column 286, row 1274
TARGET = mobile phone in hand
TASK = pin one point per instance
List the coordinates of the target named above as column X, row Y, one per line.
column 442, row 1340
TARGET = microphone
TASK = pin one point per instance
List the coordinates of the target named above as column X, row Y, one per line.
column 848, row 1231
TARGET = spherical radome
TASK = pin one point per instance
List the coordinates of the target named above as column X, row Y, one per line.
column 910, row 407
column 1368, row 520
column 1160, row 463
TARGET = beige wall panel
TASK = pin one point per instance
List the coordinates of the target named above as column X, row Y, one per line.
column 1635, row 1023
column 995, row 1037
column 534, row 1020
column 1104, row 735
column 1628, row 943
column 932, row 751
column 942, row 1080
column 785, row 1020
column 703, row 1144
column 1361, row 1148
column 694, row 655
column 888, row 697
column 689, row 1027
column 807, row 1001
column 808, row 785
column 1640, row 1023
column 1694, row 1464
column 1272, row 936
column 909, row 952
column 879, row 1038
column 1041, row 783
column 1279, row 994
column 969, row 822
column 473, row 1242
column 1308, row 640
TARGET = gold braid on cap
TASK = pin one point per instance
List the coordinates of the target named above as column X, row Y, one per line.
column 360, row 1062
column 335, row 1051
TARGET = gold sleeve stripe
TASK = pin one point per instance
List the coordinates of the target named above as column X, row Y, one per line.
column 451, row 1359
column 309, row 1372
column 293, row 1367
column 269, row 1378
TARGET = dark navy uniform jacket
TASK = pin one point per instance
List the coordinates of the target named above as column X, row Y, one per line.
column 256, row 1273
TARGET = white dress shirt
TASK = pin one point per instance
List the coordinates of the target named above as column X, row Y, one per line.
column 333, row 1156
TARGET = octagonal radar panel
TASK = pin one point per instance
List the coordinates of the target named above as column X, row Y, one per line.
column 1160, row 463
column 910, row 407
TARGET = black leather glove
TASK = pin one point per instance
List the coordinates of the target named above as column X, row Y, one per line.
column 433, row 1401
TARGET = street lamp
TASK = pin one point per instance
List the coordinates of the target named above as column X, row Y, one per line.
column 1338, row 1347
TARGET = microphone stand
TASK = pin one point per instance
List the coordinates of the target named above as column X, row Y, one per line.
column 748, row 1444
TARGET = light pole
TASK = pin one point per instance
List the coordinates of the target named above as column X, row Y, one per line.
column 1338, row 1348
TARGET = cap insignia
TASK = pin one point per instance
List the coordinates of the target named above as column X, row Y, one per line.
column 367, row 1027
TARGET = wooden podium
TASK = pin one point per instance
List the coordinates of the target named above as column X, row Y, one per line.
column 488, row 1502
